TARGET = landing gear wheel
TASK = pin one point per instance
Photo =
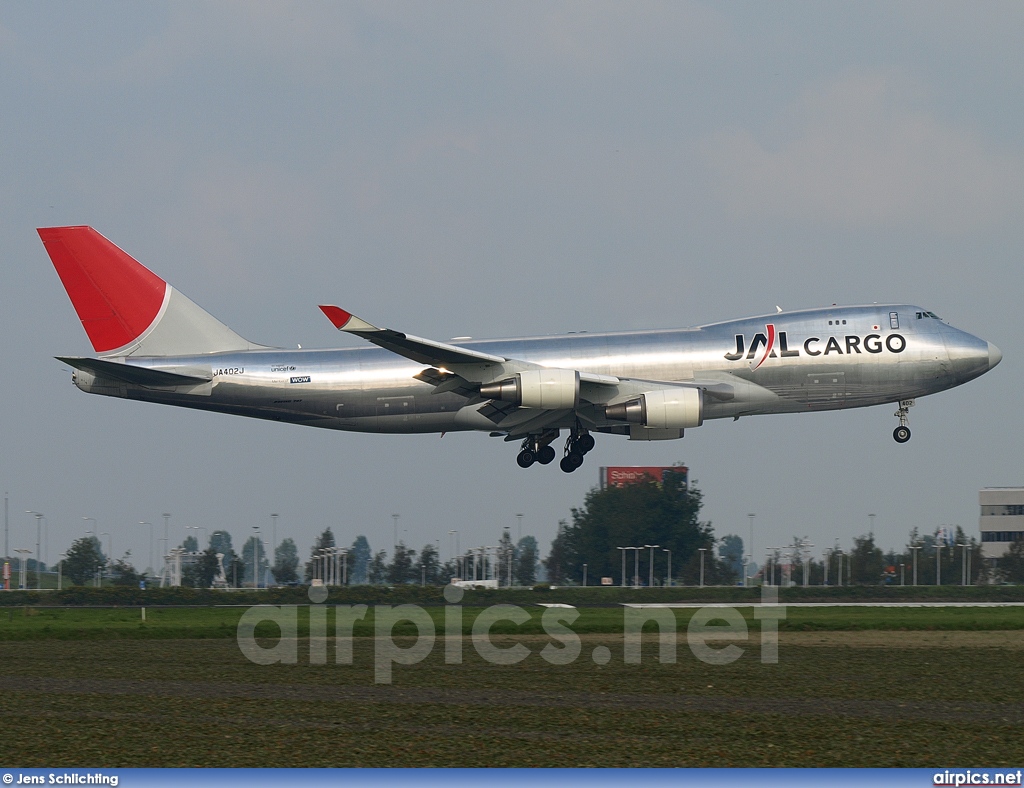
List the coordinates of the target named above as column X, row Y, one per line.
column 526, row 458
column 901, row 434
column 586, row 443
column 545, row 455
column 571, row 461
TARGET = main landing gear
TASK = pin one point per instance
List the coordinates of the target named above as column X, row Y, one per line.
column 579, row 443
column 538, row 448
column 902, row 433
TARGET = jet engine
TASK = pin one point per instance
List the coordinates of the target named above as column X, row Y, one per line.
column 662, row 409
column 547, row 389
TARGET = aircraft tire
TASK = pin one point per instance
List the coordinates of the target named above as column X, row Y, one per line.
column 568, row 464
column 545, row 455
column 901, row 434
column 586, row 443
column 526, row 458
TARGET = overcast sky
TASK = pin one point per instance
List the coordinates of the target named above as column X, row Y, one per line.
column 495, row 169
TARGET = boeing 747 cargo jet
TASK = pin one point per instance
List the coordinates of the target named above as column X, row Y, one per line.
column 154, row 344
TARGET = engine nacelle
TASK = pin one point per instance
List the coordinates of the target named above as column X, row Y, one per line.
column 547, row 389
column 662, row 409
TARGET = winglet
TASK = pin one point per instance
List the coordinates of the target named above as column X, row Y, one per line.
column 346, row 321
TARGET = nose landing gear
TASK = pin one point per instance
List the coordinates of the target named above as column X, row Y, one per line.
column 902, row 433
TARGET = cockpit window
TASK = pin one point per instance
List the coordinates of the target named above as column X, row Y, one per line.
column 932, row 315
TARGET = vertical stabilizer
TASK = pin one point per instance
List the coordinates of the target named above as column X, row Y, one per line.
column 124, row 307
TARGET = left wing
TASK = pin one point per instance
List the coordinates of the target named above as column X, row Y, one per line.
column 523, row 397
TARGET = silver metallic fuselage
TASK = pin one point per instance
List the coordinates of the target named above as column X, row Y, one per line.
column 820, row 359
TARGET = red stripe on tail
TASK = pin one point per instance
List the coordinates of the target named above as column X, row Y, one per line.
column 116, row 297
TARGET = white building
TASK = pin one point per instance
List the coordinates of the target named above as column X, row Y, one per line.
column 1002, row 519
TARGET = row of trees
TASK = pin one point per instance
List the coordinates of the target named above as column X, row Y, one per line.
column 406, row 565
column 662, row 518
column 940, row 556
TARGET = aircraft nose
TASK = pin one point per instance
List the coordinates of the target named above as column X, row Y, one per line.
column 995, row 355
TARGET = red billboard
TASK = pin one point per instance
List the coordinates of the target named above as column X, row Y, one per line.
column 621, row 475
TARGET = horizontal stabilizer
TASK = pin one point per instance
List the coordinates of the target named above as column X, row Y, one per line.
column 128, row 373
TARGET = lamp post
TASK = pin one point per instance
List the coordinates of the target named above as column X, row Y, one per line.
column 39, row 519
column 636, row 566
column 963, row 567
column 144, row 522
column 903, row 574
column 395, row 518
column 21, row 573
column 938, row 563
column 110, row 552
column 839, row 575
column 273, row 537
column 519, row 517
column 750, row 552
column 167, row 541
column 60, row 572
column 584, row 575
column 702, row 550
column 668, row 577
column 914, row 548
column 256, row 558
column 650, row 580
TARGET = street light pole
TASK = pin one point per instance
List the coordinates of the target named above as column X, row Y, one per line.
column 914, row 548
column 622, row 551
column 702, row 550
column 584, row 575
column 750, row 551
column 650, row 580
column 668, row 579
column 167, row 542
column 963, row 568
column 636, row 566
column 144, row 522
column 39, row 577
column 519, row 517
column 256, row 558
column 938, row 563
column 273, row 537
column 395, row 517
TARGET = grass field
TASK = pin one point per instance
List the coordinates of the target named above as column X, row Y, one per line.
column 51, row 623
column 852, row 687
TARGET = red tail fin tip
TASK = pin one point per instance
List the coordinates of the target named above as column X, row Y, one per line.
column 116, row 297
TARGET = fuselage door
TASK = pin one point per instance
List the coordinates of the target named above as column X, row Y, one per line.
column 825, row 390
column 393, row 413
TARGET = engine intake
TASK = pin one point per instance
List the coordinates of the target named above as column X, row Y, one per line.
column 546, row 389
column 662, row 409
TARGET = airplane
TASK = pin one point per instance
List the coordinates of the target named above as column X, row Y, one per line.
column 155, row 345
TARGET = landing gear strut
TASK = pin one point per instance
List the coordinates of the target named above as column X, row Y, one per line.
column 902, row 433
column 579, row 443
column 537, row 448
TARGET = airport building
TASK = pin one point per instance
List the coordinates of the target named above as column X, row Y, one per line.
column 1002, row 519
